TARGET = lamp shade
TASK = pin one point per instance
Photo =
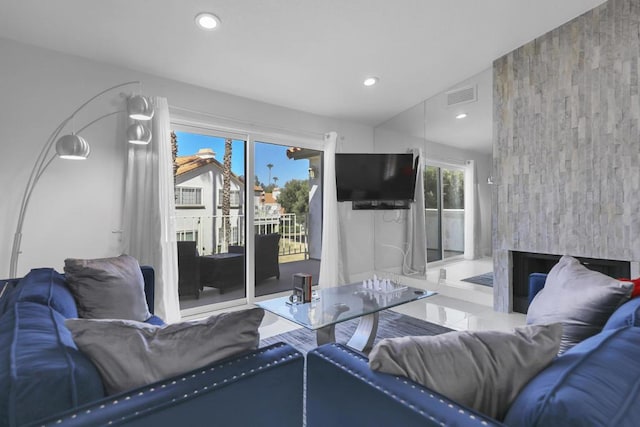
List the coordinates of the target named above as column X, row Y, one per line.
column 139, row 108
column 72, row 147
column 137, row 133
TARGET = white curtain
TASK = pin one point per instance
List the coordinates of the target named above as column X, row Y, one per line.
column 415, row 259
column 332, row 266
column 148, row 224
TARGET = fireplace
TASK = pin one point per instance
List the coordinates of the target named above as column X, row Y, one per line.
column 525, row 263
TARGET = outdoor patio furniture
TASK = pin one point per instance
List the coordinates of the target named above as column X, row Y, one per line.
column 223, row 271
column 188, row 269
column 267, row 264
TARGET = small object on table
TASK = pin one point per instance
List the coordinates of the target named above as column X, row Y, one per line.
column 302, row 285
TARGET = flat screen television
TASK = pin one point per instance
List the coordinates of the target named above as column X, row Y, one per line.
column 376, row 178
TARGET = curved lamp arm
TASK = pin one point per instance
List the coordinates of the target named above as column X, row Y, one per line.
column 42, row 162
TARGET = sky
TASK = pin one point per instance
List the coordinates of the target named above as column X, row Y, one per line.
column 284, row 168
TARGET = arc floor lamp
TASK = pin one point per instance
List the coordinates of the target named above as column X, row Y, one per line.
column 74, row 146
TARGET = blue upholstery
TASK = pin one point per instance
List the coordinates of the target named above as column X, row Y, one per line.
column 149, row 276
column 536, row 283
column 41, row 369
column 154, row 320
column 261, row 388
column 627, row 315
column 597, row 380
column 44, row 379
column 7, row 287
column 46, row 286
column 343, row 391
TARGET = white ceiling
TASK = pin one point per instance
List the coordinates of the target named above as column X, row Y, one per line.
column 310, row 55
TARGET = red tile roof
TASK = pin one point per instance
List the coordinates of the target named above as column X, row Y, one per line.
column 193, row 162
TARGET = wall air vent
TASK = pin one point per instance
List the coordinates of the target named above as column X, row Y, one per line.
column 462, row 96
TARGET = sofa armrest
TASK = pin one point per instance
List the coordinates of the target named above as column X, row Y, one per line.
column 259, row 388
column 342, row 390
column 536, row 283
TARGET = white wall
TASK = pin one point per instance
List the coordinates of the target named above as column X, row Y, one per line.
column 390, row 225
column 76, row 209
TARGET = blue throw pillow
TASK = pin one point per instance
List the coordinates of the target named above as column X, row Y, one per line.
column 594, row 383
column 627, row 315
column 48, row 287
column 42, row 372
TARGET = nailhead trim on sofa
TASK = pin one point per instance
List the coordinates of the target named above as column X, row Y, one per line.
column 400, row 379
column 209, row 388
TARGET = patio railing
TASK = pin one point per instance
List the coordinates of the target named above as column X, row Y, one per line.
column 209, row 232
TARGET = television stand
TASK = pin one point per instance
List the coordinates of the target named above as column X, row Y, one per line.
column 380, row 204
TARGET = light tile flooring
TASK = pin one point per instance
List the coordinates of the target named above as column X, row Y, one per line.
column 458, row 305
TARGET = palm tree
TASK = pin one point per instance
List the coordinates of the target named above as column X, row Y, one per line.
column 275, row 180
column 226, row 194
column 269, row 165
column 174, row 154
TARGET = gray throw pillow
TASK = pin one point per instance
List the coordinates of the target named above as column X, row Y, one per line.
column 581, row 299
column 107, row 288
column 484, row 370
column 131, row 354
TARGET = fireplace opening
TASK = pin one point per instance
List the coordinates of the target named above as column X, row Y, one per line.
column 525, row 263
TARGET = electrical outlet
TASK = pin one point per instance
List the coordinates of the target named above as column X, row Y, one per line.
column 443, row 274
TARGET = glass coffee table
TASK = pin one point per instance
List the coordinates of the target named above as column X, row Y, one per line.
column 335, row 305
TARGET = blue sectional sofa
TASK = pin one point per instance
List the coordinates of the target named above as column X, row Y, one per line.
column 46, row 380
column 595, row 383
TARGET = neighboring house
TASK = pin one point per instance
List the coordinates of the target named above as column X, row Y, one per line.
column 267, row 212
column 198, row 195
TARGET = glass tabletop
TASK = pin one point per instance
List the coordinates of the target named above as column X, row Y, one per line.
column 335, row 305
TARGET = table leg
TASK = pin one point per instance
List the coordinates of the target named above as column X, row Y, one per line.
column 365, row 334
column 326, row 335
column 363, row 337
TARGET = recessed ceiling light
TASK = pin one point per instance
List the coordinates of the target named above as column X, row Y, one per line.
column 207, row 21
column 461, row 116
column 370, row 81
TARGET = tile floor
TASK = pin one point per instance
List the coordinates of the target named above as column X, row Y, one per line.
column 458, row 305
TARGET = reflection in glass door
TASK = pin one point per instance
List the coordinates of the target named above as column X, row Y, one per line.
column 444, row 203
column 210, row 216
column 287, row 215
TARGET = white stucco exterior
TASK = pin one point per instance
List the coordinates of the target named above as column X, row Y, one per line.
column 200, row 217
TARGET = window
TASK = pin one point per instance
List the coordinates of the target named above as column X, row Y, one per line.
column 187, row 236
column 188, row 196
column 234, row 198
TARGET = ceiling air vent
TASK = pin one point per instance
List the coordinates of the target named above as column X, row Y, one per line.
column 462, row 96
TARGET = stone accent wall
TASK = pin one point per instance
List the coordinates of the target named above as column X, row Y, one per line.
column 566, row 150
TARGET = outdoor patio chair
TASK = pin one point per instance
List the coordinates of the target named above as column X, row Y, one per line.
column 188, row 269
column 267, row 249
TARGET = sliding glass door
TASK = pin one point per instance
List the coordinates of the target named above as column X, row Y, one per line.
column 444, row 203
column 218, row 209
column 287, row 215
column 210, row 215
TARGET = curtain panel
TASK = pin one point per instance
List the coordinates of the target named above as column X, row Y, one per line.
column 148, row 216
column 332, row 265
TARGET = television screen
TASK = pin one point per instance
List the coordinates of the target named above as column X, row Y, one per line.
column 370, row 177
